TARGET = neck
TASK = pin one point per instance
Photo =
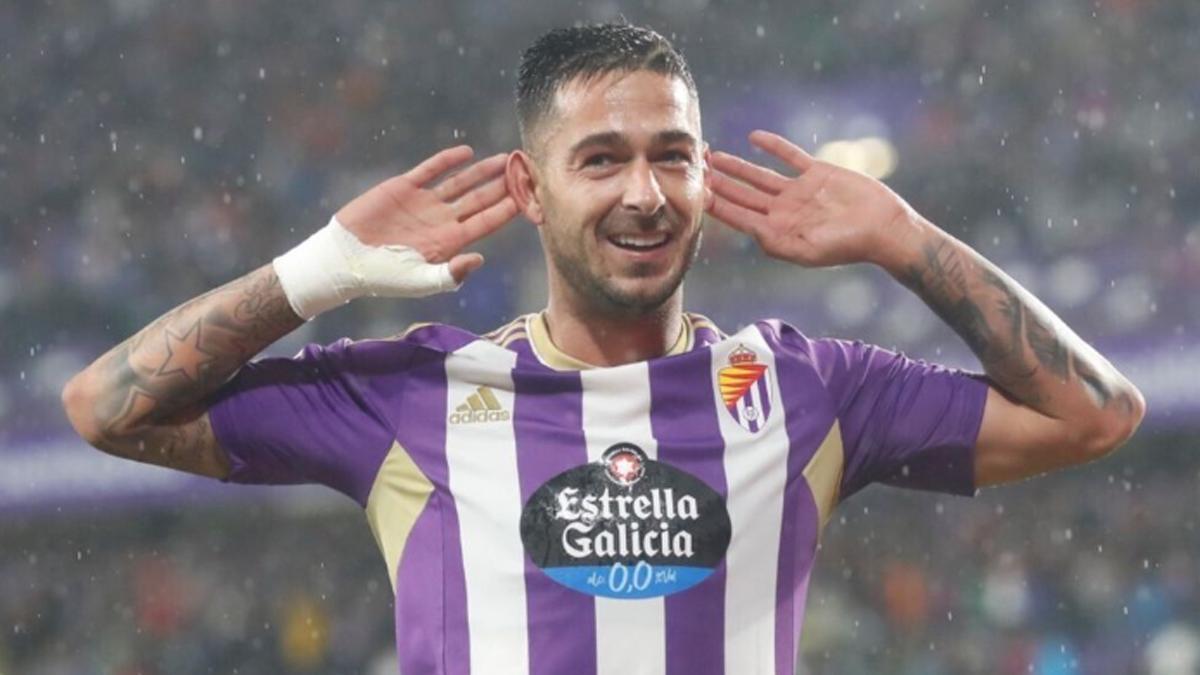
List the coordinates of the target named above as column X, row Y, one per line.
column 605, row 340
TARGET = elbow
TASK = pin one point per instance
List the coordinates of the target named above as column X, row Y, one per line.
column 79, row 405
column 1123, row 415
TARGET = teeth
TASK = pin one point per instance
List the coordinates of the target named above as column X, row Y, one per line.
column 640, row 241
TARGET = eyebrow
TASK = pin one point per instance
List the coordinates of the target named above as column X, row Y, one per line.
column 611, row 138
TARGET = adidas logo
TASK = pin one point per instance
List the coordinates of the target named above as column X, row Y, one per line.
column 482, row 406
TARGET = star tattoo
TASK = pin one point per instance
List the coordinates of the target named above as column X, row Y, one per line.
column 184, row 354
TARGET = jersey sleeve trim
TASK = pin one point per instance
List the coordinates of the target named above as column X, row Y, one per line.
column 824, row 473
column 399, row 494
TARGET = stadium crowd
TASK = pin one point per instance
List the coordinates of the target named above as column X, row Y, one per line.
column 152, row 150
column 1088, row 574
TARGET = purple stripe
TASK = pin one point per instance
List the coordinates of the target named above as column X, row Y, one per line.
column 418, row 605
column 441, row 337
column 804, row 535
column 683, row 419
column 764, row 395
column 422, row 399
column 703, row 337
column 525, row 356
column 810, row 418
column 548, row 424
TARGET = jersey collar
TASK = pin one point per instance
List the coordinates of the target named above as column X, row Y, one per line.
column 550, row 355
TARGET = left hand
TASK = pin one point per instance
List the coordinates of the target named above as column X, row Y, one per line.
column 825, row 216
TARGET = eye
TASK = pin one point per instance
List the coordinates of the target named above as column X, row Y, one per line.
column 677, row 156
column 599, row 160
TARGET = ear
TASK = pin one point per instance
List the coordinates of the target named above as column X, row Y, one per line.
column 706, row 154
column 520, row 175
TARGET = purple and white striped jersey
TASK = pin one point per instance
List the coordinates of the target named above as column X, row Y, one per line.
column 540, row 516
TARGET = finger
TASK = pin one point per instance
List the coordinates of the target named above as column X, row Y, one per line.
column 489, row 220
column 739, row 193
column 760, row 177
column 439, row 164
column 463, row 264
column 480, row 198
column 457, row 185
column 782, row 148
column 739, row 218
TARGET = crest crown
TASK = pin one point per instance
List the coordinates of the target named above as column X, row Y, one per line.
column 742, row 355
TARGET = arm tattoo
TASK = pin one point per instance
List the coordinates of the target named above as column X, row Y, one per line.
column 1049, row 351
column 179, row 446
column 1096, row 389
column 940, row 279
column 1021, row 344
column 942, row 282
column 153, row 385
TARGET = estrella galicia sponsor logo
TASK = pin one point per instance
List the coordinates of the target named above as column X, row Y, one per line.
column 626, row 526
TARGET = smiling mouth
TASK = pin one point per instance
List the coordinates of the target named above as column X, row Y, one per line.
column 640, row 242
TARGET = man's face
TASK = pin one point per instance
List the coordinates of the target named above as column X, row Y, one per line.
column 622, row 174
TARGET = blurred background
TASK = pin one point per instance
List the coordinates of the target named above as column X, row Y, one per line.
column 151, row 150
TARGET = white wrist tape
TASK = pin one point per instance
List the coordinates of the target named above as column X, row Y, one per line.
column 332, row 267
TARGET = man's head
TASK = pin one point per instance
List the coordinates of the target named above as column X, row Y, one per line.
column 613, row 168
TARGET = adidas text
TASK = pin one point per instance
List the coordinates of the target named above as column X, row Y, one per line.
column 478, row 416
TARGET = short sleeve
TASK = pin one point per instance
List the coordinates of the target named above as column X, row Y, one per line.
column 904, row 422
column 302, row 420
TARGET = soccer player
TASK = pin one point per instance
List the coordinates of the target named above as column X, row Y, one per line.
column 610, row 485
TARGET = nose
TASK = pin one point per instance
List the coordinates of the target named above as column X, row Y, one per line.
column 643, row 194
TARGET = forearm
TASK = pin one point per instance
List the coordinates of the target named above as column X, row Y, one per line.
column 1025, row 349
column 163, row 373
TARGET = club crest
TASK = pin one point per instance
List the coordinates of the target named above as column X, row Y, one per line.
column 746, row 389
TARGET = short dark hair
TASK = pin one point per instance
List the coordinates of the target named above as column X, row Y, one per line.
column 587, row 52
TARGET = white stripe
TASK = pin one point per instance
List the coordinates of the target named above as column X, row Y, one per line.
column 756, row 473
column 630, row 634
column 482, row 460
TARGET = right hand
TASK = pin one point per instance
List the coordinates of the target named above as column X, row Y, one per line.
column 436, row 221
column 402, row 238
